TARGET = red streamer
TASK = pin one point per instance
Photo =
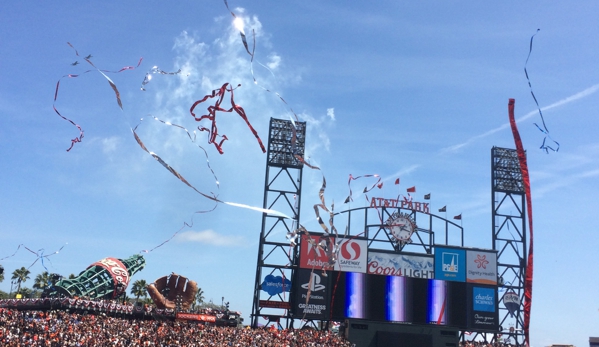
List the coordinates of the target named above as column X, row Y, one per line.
column 526, row 179
column 366, row 189
column 219, row 94
column 110, row 82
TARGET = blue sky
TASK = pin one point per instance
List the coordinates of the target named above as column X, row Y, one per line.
column 416, row 90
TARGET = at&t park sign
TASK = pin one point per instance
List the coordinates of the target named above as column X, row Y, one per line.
column 410, row 205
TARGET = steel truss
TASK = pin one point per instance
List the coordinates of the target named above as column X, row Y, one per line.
column 509, row 237
column 282, row 193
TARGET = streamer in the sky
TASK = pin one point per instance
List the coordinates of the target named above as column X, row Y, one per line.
column 526, row 180
column 40, row 255
column 155, row 70
column 544, row 129
column 239, row 25
column 366, row 189
column 110, row 82
column 219, row 95
column 211, row 196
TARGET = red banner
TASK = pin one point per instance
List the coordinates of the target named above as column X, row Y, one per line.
column 196, row 317
column 275, row 304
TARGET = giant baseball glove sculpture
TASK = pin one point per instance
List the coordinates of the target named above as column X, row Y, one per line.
column 164, row 291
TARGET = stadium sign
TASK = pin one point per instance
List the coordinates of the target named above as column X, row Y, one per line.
column 311, row 255
column 404, row 265
column 312, row 295
column 353, row 255
column 196, row 317
column 483, row 313
column 450, row 264
column 423, row 207
column 274, row 285
column 481, row 267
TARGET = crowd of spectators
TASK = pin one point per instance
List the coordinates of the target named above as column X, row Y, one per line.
column 65, row 329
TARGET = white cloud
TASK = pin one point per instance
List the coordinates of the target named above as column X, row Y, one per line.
column 110, row 144
column 274, row 60
column 331, row 113
column 210, row 237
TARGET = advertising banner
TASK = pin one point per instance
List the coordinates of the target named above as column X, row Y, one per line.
column 274, row 304
column 450, row 264
column 274, row 285
column 311, row 256
column 312, row 291
column 483, row 312
column 405, row 265
column 353, row 255
column 481, row 267
column 196, row 317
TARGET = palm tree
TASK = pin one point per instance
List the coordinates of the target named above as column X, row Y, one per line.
column 20, row 275
column 42, row 281
column 199, row 298
column 139, row 289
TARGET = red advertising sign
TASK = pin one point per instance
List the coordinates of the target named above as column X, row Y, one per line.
column 312, row 256
column 274, row 304
column 196, row 317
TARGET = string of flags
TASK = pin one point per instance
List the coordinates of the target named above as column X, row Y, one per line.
column 427, row 197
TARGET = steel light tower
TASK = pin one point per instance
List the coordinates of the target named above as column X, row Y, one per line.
column 509, row 238
column 282, row 192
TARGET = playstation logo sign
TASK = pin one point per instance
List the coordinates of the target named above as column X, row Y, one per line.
column 314, row 283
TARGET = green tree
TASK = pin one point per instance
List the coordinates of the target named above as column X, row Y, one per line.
column 28, row 292
column 199, row 299
column 20, row 275
column 42, row 281
column 139, row 289
column 1, row 273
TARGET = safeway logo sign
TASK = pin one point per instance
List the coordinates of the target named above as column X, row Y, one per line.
column 350, row 250
column 353, row 255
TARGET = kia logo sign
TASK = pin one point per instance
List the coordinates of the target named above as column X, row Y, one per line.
column 350, row 250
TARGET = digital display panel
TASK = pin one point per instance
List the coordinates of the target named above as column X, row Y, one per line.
column 398, row 299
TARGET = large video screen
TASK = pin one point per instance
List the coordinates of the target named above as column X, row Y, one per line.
column 398, row 299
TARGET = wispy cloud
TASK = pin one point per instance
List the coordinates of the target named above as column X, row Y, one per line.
column 210, row 237
column 589, row 91
column 569, row 169
column 405, row 171
column 331, row 113
column 110, row 144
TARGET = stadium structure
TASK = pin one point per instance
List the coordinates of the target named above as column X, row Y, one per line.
column 402, row 275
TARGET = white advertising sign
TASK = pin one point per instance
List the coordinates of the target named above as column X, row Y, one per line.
column 401, row 265
column 481, row 267
column 353, row 255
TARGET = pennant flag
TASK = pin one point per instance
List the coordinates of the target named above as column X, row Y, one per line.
column 411, row 189
column 458, row 217
column 443, row 209
column 397, row 181
column 427, row 196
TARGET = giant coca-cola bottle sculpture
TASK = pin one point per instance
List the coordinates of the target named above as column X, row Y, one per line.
column 105, row 279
